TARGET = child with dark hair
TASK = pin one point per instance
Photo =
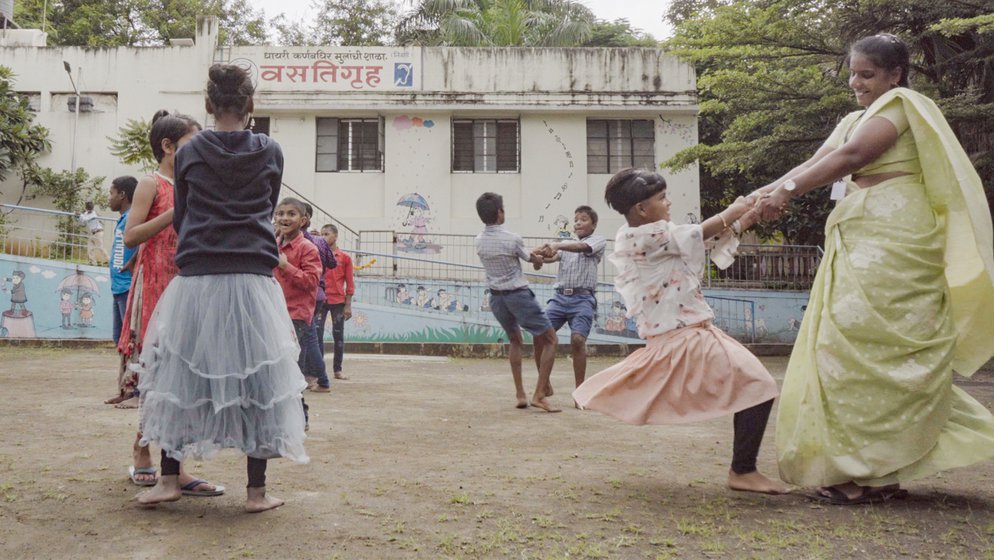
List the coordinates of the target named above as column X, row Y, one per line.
column 94, row 235
column 149, row 227
column 339, row 287
column 220, row 366
column 512, row 302
column 315, row 371
column 122, row 261
column 689, row 370
column 575, row 299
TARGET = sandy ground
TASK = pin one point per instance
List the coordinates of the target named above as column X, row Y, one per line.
column 429, row 459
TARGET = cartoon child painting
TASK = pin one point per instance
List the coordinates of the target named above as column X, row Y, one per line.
column 65, row 307
column 86, row 310
column 403, row 296
column 422, row 299
column 563, row 231
column 18, row 294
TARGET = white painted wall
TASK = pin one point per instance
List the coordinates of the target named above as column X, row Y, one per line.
column 551, row 91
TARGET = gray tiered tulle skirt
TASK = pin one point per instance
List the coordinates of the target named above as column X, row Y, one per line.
column 219, row 370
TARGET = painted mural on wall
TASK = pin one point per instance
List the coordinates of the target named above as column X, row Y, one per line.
column 438, row 311
column 51, row 299
column 412, row 236
column 554, row 206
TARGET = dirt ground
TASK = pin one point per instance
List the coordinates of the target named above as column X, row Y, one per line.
column 427, row 458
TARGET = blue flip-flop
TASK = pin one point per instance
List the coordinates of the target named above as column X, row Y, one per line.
column 133, row 472
column 189, row 489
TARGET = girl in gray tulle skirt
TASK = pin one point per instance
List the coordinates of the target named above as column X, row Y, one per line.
column 219, row 364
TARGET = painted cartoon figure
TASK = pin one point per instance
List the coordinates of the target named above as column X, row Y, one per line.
column 86, row 310
column 419, row 222
column 18, row 294
column 485, row 305
column 615, row 322
column 403, row 296
column 422, row 299
column 65, row 308
column 563, row 229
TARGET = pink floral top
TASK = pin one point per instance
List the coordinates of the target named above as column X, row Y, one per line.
column 659, row 270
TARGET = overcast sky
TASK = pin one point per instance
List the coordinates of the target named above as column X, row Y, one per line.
column 644, row 14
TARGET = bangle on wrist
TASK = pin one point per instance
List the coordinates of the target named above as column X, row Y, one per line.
column 724, row 224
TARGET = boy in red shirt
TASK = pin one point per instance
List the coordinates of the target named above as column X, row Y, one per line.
column 339, row 288
column 298, row 270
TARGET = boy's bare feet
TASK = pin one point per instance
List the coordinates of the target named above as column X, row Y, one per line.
column 755, row 482
column 131, row 402
column 258, row 501
column 522, row 402
column 545, row 405
column 341, row 376
column 167, row 490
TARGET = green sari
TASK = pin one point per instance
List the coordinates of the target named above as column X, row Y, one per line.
column 904, row 296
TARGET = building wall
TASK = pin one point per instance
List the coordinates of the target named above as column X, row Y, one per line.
column 551, row 91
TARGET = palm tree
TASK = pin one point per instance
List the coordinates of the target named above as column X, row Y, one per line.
column 479, row 23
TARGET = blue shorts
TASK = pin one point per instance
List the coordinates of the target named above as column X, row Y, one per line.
column 578, row 310
column 519, row 310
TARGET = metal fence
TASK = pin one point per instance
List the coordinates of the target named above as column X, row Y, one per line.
column 42, row 233
column 46, row 234
column 768, row 267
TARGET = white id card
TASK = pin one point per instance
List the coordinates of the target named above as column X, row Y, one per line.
column 838, row 190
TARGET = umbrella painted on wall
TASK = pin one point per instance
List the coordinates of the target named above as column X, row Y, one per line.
column 417, row 219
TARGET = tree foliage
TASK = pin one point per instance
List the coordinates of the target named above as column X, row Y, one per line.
column 113, row 23
column 131, row 145
column 498, row 23
column 359, row 23
column 618, row 33
column 772, row 84
column 21, row 141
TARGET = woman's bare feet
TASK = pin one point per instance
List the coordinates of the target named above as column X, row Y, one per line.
column 131, row 402
column 755, row 482
column 167, row 490
column 545, row 405
column 258, row 501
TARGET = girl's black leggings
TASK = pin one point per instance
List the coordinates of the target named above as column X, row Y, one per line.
column 256, row 470
column 750, row 424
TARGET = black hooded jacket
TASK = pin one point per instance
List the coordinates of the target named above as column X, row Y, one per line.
column 227, row 185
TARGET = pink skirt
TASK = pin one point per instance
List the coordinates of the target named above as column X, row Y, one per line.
column 686, row 375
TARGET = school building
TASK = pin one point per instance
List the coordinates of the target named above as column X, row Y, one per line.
column 393, row 138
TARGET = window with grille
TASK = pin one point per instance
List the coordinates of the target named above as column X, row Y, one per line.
column 485, row 146
column 613, row 145
column 349, row 144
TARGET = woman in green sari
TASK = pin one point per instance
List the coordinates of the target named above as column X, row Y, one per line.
column 903, row 298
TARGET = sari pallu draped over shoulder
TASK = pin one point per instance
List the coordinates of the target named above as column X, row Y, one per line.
column 904, row 297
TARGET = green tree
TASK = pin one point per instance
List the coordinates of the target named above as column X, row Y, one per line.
column 21, row 141
column 618, row 33
column 131, row 145
column 772, row 85
column 112, row 23
column 359, row 23
column 529, row 23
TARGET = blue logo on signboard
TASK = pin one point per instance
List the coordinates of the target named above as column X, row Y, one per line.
column 403, row 74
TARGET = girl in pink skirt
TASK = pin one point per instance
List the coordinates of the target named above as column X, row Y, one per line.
column 689, row 370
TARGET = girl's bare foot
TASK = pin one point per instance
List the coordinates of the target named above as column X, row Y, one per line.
column 167, row 490
column 142, row 459
column 129, row 403
column 545, row 405
column 755, row 482
column 121, row 397
column 258, row 501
